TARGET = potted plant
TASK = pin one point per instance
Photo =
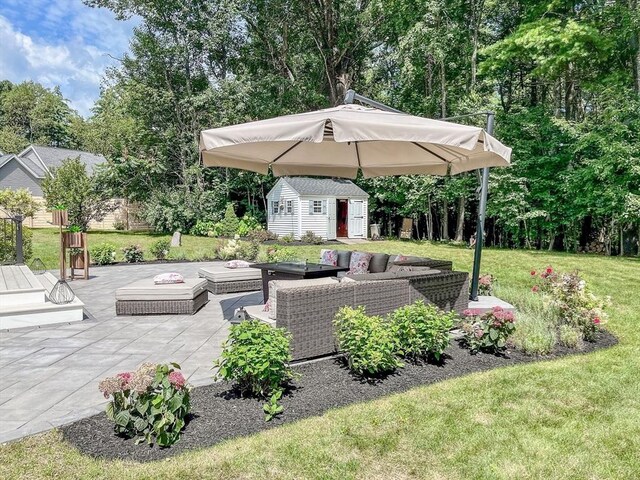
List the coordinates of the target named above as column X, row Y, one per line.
column 60, row 216
column 73, row 237
column 76, row 258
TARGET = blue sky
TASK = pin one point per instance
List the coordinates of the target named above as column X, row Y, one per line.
column 61, row 42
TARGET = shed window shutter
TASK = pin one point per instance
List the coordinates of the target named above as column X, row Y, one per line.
column 324, row 207
column 310, row 207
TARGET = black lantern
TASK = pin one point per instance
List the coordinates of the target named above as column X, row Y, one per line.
column 61, row 293
column 37, row 266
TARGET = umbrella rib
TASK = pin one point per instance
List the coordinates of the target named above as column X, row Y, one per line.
column 286, row 151
column 432, row 153
column 358, row 155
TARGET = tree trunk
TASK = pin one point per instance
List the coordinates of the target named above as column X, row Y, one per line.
column 443, row 96
column 445, row 220
column 635, row 43
column 460, row 222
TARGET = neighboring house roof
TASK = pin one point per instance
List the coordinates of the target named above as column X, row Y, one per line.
column 26, row 163
column 41, row 159
column 335, row 187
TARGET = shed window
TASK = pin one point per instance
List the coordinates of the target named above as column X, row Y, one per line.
column 275, row 205
column 317, row 207
column 289, row 207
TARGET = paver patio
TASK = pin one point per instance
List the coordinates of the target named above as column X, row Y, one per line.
column 51, row 374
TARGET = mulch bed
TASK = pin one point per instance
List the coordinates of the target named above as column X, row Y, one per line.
column 219, row 413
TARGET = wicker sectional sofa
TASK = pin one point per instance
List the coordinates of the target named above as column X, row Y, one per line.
column 308, row 311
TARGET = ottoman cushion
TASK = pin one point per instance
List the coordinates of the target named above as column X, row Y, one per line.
column 146, row 290
column 219, row 273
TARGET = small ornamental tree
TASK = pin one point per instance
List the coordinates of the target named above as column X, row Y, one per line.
column 71, row 186
column 230, row 222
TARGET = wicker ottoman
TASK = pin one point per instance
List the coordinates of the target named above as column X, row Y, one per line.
column 230, row 280
column 145, row 298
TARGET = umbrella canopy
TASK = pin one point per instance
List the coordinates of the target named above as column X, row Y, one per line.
column 339, row 141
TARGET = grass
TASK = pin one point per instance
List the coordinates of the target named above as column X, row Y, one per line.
column 572, row 418
column 46, row 244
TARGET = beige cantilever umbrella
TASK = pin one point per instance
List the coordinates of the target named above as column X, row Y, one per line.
column 339, row 141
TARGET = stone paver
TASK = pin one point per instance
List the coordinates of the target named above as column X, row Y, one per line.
column 51, row 374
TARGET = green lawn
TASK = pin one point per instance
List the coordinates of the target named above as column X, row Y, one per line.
column 573, row 418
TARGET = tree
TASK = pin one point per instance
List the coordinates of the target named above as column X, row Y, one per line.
column 81, row 195
column 18, row 202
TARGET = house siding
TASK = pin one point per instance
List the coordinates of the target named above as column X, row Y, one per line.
column 317, row 223
column 13, row 175
column 283, row 223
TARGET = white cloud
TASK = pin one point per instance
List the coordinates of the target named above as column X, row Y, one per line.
column 61, row 43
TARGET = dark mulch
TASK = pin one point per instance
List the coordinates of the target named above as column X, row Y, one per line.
column 220, row 414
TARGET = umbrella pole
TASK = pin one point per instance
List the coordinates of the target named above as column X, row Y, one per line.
column 482, row 208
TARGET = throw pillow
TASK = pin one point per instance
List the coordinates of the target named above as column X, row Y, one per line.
column 237, row 264
column 168, row 278
column 328, row 257
column 359, row 263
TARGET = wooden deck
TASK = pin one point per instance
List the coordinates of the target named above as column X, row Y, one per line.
column 19, row 286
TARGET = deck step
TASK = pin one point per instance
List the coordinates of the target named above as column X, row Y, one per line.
column 40, row 313
column 19, row 286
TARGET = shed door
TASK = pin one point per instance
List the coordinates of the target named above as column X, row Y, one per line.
column 356, row 218
column 331, row 219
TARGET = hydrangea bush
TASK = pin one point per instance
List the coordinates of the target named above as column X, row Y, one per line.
column 568, row 292
column 150, row 403
column 103, row 254
column 485, row 284
column 422, row 330
column 487, row 331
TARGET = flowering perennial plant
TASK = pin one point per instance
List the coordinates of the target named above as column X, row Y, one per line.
column 150, row 403
column 578, row 307
column 485, row 284
column 487, row 331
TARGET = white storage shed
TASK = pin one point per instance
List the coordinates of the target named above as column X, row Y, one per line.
column 330, row 208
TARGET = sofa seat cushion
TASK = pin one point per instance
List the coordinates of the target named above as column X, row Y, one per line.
column 146, row 290
column 219, row 273
column 256, row 312
column 275, row 285
column 378, row 263
column 415, row 272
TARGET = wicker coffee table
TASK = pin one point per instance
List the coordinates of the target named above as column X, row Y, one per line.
column 293, row 271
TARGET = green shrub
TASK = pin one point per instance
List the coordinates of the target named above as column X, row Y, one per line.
column 422, row 330
column 150, row 403
column 180, row 255
column 570, row 337
column 310, row 237
column 160, row 249
column 228, row 250
column 256, row 357
column 534, row 334
column 103, row 253
column 277, row 253
column 368, row 342
column 203, row 228
column 133, row 254
column 248, row 224
column 577, row 306
column 288, row 238
column 262, row 236
column 247, row 251
column 487, row 331
column 8, row 250
column 119, row 225
column 485, row 284
column 230, row 222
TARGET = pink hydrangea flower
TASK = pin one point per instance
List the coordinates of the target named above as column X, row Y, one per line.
column 533, row 273
column 125, row 378
column 177, row 379
column 535, row 288
column 479, row 333
column 596, row 320
column 549, row 271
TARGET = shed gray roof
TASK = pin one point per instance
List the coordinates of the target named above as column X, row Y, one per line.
column 325, row 186
column 53, row 156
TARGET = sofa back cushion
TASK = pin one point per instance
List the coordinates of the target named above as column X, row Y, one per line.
column 275, row 285
column 378, row 262
column 344, row 257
